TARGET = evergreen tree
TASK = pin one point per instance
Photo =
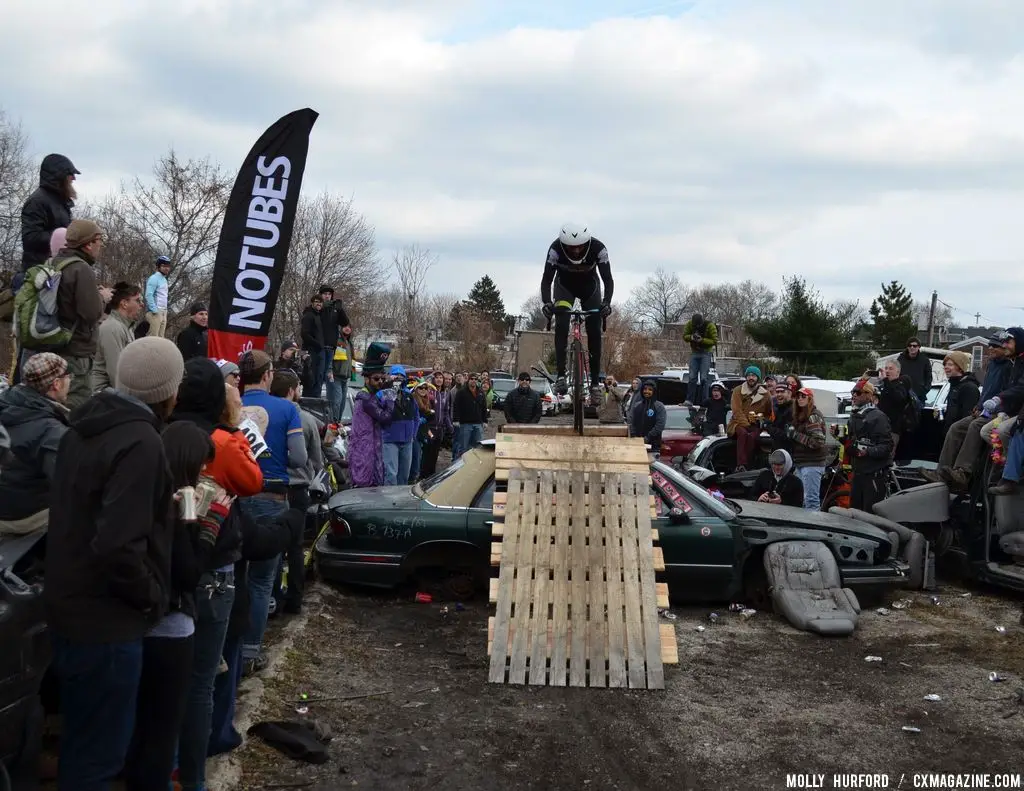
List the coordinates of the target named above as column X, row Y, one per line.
column 893, row 315
column 808, row 335
column 485, row 297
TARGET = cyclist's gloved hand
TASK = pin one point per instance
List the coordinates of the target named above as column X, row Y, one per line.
column 606, row 310
column 548, row 309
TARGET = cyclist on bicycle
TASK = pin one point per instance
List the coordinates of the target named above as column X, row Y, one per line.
column 575, row 260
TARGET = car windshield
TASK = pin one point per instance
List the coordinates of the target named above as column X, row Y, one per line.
column 503, row 385
column 932, row 396
column 424, row 487
column 699, row 449
column 695, row 491
column 678, row 419
column 540, row 386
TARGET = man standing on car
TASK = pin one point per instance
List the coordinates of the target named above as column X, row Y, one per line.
column 872, row 443
column 702, row 335
column 523, row 405
column 335, row 322
column 917, row 368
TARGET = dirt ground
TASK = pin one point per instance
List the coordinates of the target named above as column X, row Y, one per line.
column 750, row 701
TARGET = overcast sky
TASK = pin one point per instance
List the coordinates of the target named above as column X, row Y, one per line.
column 848, row 141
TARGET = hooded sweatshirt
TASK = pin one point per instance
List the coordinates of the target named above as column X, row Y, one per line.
column 36, row 425
column 108, row 552
column 1012, row 396
column 648, row 418
column 868, row 424
column 405, row 418
column 995, row 378
column 46, row 210
column 716, row 411
column 786, row 485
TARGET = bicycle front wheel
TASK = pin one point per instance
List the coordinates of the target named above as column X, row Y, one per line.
column 577, row 385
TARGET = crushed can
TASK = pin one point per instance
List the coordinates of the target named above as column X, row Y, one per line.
column 424, row 598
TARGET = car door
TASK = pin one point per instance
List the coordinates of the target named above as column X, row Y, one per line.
column 480, row 517
column 700, row 549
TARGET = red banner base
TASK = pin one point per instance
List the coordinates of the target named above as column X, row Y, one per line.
column 230, row 346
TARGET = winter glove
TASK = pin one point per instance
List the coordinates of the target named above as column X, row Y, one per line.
column 210, row 525
column 381, row 396
column 991, row 407
column 548, row 309
column 606, row 310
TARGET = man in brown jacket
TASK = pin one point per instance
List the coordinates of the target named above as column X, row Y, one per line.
column 80, row 304
column 751, row 402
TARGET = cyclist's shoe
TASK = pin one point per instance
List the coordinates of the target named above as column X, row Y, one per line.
column 561, row 387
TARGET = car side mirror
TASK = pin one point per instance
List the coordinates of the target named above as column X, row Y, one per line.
column 677, row 516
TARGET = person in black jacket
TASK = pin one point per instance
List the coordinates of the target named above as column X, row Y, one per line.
column 648, row 418
column 782, row 418
column 35, row 417
column 872, row 442
column 894, row 400
column 334, row 319
column 312, row 333
column 168, row 647
column 47, row 209
column 716, row 410
column 964, row 391
column 523, row 405
column 917, row 368
column 469, row 412
column 778, row 485
column 192, row 340
column 108, row 558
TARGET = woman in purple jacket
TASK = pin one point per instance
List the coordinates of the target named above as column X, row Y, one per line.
column 373, row 409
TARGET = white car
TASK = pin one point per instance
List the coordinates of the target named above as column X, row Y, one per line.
column 549, row 402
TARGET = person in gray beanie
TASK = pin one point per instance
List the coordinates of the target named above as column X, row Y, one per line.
column 108, row 558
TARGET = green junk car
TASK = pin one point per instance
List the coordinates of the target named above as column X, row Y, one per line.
column 439, row 531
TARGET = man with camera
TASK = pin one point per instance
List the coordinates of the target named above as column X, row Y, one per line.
column 872, row 443
column 702, row 335
column 609, row 410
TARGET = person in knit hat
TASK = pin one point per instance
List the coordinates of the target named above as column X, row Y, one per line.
column 964, row 388
column 35, row 417
column 80, row 304
column 192, row 340
column 108, row 558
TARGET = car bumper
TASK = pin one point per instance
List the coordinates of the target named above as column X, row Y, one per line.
column 895, row 574
column 373, row 569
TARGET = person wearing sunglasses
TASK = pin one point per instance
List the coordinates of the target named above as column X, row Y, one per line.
column 372, row 411
column 917, row 367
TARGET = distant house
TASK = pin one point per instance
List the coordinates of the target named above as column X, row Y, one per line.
column 974, row 346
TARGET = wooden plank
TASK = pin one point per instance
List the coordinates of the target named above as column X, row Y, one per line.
column 615, row 591
column 570, row 449
column 658, row 555
column 499, row 511
column 597, row 638
column 540, row 428
column 501, row 473
column 523, row 564
column 578, row 594
column 660, row 588
column 500, row 498
column 560, row 592
column 630, row 565
column 658, row 559
column 505, row 580
column 648, row 597
column 541, row 591
column 669, row 647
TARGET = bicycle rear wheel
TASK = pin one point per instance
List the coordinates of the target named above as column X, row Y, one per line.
column 576, row 353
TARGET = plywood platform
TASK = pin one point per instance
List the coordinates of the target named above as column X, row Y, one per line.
column 576, row 593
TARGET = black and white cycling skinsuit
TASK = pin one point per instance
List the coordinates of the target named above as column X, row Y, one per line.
column 577, row 281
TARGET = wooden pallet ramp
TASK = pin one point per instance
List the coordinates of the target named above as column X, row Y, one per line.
column 576, row 597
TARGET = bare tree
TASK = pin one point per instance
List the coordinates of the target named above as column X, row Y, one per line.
column 179, row 214
column 126, row 256
column 16, row 184
column 533, row 312
column 412, row 265
column 472, row 330
column 332, row 244
column 661, row 299
column 626, row 351
column 943, row 315
column 437, row 309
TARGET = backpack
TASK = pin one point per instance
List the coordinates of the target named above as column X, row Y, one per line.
column 36, row 324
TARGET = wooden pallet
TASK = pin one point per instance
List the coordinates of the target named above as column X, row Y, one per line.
column 576, row 594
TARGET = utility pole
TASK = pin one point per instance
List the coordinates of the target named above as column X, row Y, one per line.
column 931, row 317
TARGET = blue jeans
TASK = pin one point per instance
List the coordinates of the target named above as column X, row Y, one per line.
column 223, row 736
column 212, row 615
column 810, row 477
column 397, row 463
column 261, row 576
column 337, row 392
column 468, row 435
column 1014, row 458
column 700, row 368
column 99, row 685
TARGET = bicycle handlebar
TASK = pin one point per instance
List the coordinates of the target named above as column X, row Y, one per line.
column 581, row 314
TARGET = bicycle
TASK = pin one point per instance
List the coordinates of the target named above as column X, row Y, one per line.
column 577, row 357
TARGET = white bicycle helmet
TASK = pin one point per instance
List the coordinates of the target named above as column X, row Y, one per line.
column 575, row 242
